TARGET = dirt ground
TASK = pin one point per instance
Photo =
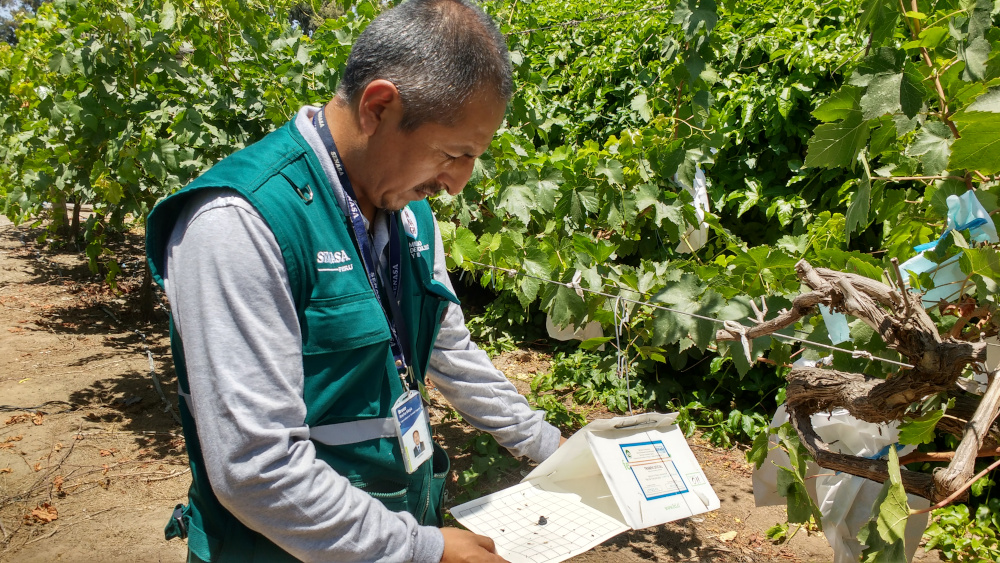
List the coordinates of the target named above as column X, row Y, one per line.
column 92, row 460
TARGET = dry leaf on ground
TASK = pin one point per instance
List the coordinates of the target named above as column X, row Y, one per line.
column 5, row 470
column 728, row 536
column 44, row 514
column 38, row 419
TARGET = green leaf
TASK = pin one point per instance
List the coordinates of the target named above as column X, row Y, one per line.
column 646, row 196
column 836, row 145
column 518, row 200
column 880, row 61
column 983, row 261
column 884, row 534
column 881, row 17
column 463, row 247
column 911, row 91
column 882, row 95
column 60, row 63
column 883, row 138
column 576, row 203
column 857, row 212
column 979, row 144
column 758, row 451
column 563, row 305
column 919, row 430
column 594, row 343
column 975, row 56
column 777, row 532
column 612, row 169
column 536, row 262
column 933, row 144
column 547, row 189
column 641, row 105
column 842, row 104
column 800, row 506
column 686, row 296
column 168, row 16
column 990, row 101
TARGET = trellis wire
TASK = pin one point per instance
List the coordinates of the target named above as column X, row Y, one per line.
column 726, row 324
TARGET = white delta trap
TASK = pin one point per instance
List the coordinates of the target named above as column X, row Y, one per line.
column 612, row 476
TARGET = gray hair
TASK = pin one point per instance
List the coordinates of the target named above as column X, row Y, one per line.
column 438, row 54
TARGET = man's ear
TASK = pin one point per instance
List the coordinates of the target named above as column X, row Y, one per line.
column 379, row 104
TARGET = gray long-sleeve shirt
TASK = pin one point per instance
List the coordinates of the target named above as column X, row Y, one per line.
column 233, row 308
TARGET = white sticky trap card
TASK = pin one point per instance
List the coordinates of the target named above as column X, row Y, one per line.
column 412, row 430
column 611, row 476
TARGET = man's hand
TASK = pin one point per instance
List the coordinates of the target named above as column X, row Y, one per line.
column 461, row 546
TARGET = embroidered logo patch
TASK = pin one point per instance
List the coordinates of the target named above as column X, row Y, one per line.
column 325, row 257
column 409, row 222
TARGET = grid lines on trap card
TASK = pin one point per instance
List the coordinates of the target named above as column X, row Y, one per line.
column 537, row 525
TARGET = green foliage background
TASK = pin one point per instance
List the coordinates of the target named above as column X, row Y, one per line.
column 829, row 131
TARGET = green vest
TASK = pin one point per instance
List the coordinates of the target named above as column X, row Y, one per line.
column 351, row 382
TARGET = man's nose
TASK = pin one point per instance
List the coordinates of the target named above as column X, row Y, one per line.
column 457, row 176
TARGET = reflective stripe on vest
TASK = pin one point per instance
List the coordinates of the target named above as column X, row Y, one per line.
column 338, row 434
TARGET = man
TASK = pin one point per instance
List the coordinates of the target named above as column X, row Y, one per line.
column 295, row 360
column 418, row 446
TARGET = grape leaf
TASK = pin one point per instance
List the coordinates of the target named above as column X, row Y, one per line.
column 990, row 101
column 800, row 506
column 919, row 430
column 836, row 145
column 884, row 534
column 882, row 95
column 518, row 200
column 840, row 105
column 933, row 143
column 980, row 140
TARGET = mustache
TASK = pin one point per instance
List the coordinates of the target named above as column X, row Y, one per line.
column 432, row 187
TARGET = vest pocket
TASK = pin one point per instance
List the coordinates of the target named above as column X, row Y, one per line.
column 394, row 500
column 343, row 323
column 441, row 467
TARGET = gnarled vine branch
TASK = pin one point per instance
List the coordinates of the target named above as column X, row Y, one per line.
column 899, row 318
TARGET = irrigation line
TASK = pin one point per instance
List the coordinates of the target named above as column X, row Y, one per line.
column 729, row 325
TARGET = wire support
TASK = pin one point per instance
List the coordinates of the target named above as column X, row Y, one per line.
column 575, row 285
column 622, row 359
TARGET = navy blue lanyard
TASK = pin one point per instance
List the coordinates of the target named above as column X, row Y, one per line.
column 366, row 251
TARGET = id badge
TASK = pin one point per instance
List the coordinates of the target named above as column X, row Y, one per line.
column 412, row 430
